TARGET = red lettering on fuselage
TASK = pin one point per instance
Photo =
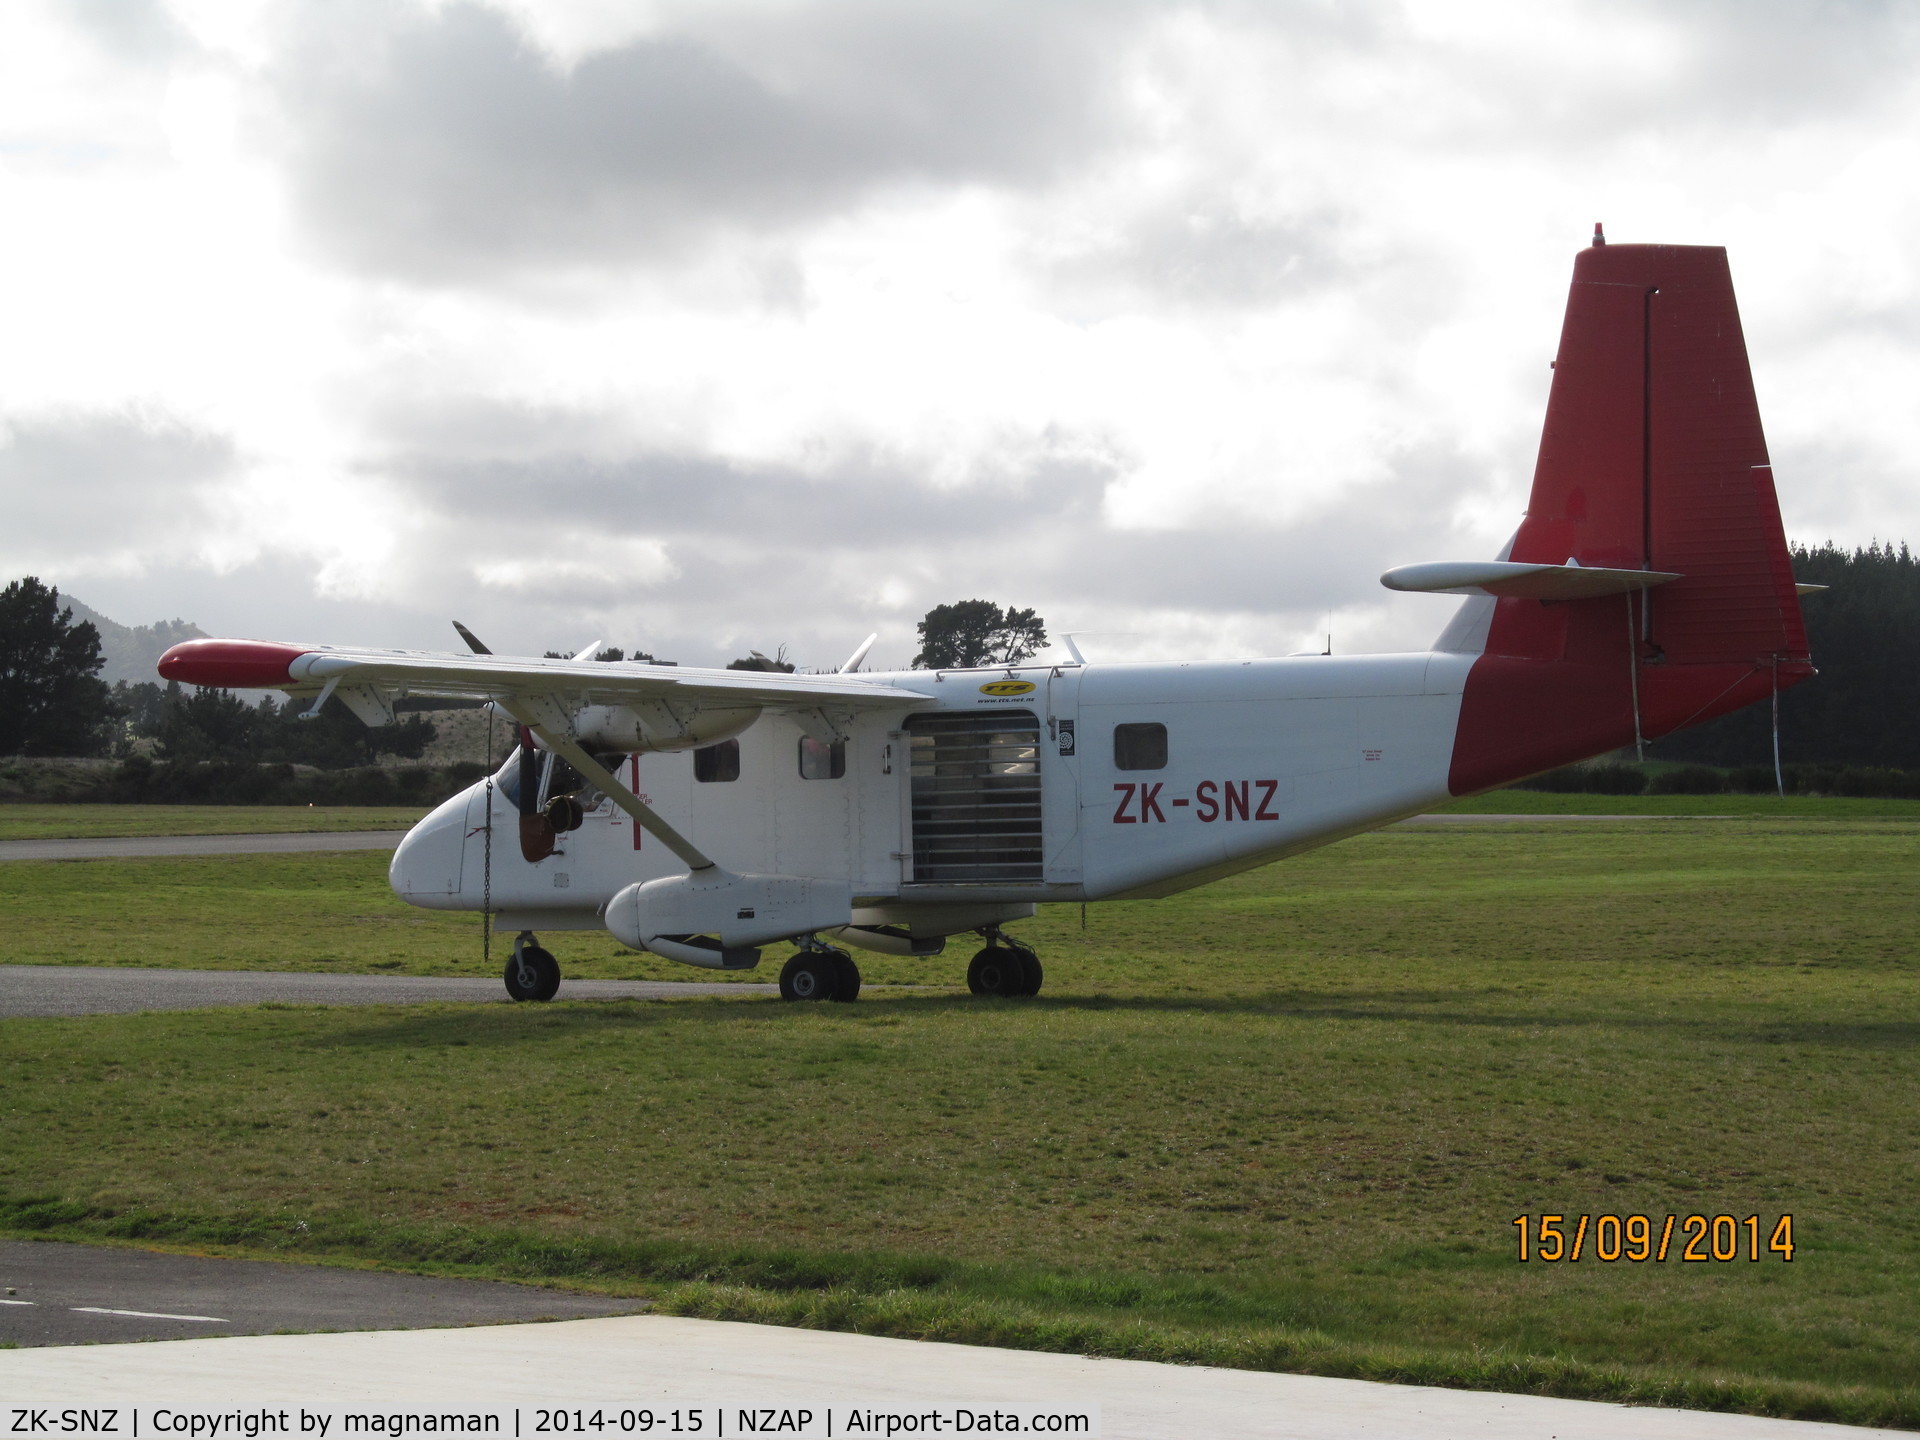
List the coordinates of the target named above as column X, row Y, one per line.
column 1120, row 816
column 1211, row 800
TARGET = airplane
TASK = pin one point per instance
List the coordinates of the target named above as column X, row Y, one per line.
column 702, row 814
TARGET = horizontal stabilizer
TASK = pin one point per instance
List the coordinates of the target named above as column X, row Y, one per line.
column 1511, row 579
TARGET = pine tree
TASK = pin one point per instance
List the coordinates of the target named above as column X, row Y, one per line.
column 52, row 699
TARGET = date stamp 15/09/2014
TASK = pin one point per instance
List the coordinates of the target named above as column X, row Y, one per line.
column 1638, row 1238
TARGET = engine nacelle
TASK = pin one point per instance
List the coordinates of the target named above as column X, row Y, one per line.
column 657, row 725
column 741, row 910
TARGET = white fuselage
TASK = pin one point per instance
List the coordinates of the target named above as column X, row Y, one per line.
column 1260, row 759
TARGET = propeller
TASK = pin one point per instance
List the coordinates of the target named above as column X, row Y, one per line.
column 473, row 640
column 853, row 660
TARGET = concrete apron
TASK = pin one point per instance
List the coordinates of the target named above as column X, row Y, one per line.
column 662, row 1361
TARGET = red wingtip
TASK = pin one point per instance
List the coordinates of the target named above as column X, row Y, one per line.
column 242, row 664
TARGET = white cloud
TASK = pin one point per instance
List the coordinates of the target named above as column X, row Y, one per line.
column 695, row 326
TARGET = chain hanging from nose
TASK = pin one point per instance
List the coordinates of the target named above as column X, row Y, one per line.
column 486, row 866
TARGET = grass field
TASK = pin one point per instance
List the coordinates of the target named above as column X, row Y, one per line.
column 1282, row 1122
column 1792, row 807
column 44, row 822
column 49, row 822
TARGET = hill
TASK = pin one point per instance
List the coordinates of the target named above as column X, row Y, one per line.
column 131, row 651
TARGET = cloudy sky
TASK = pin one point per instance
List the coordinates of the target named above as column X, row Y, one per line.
column 706, row 325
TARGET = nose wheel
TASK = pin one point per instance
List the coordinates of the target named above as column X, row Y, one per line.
column 532, row 973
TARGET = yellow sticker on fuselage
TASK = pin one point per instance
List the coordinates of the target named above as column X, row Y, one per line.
column 1007, row 687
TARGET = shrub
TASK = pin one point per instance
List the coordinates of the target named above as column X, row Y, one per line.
column 1607, row 778
column 1688, row 780
column 1751, row 780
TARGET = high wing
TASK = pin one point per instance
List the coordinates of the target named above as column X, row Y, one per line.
column 388, row 674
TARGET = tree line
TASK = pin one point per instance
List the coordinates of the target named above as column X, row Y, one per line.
column 1864, row 631
column 53, row 702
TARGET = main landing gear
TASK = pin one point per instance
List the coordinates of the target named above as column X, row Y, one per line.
column 1006, row 968
column 532, row 973
column 820, row 972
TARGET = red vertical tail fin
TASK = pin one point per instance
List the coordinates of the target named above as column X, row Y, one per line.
column 1652, row 458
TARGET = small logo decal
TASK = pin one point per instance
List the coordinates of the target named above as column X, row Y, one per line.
column 1007, row 687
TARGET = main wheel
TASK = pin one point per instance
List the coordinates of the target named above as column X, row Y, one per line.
column 811, row 975
column 997, row 970
column 533, row 974
column 1030, row 972
column 848, row 989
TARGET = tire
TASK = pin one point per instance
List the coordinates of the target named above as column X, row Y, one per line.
column 1031, row 973
column 545, row 975
column 848, row 990
column 548, row 969
column 997, row 971
column 810, row 975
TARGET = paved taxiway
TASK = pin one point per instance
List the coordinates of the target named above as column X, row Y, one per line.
column 42, row 990
column 663, row 1361
column 58, row 1294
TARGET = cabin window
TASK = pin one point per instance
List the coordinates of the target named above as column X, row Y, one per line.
column 1140, row 747
column 717, row 762
column 821, row 761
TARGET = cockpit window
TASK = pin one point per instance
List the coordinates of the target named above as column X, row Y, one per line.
column 555, row 777
column 507, row 779
column 561, row 779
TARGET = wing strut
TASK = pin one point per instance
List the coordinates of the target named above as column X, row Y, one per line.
column 535, row 717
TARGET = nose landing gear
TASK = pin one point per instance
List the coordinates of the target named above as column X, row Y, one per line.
column 532, row 973
column 1006, row 968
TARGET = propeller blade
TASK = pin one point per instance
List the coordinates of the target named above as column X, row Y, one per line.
column 853, row 661
column 473, row 640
